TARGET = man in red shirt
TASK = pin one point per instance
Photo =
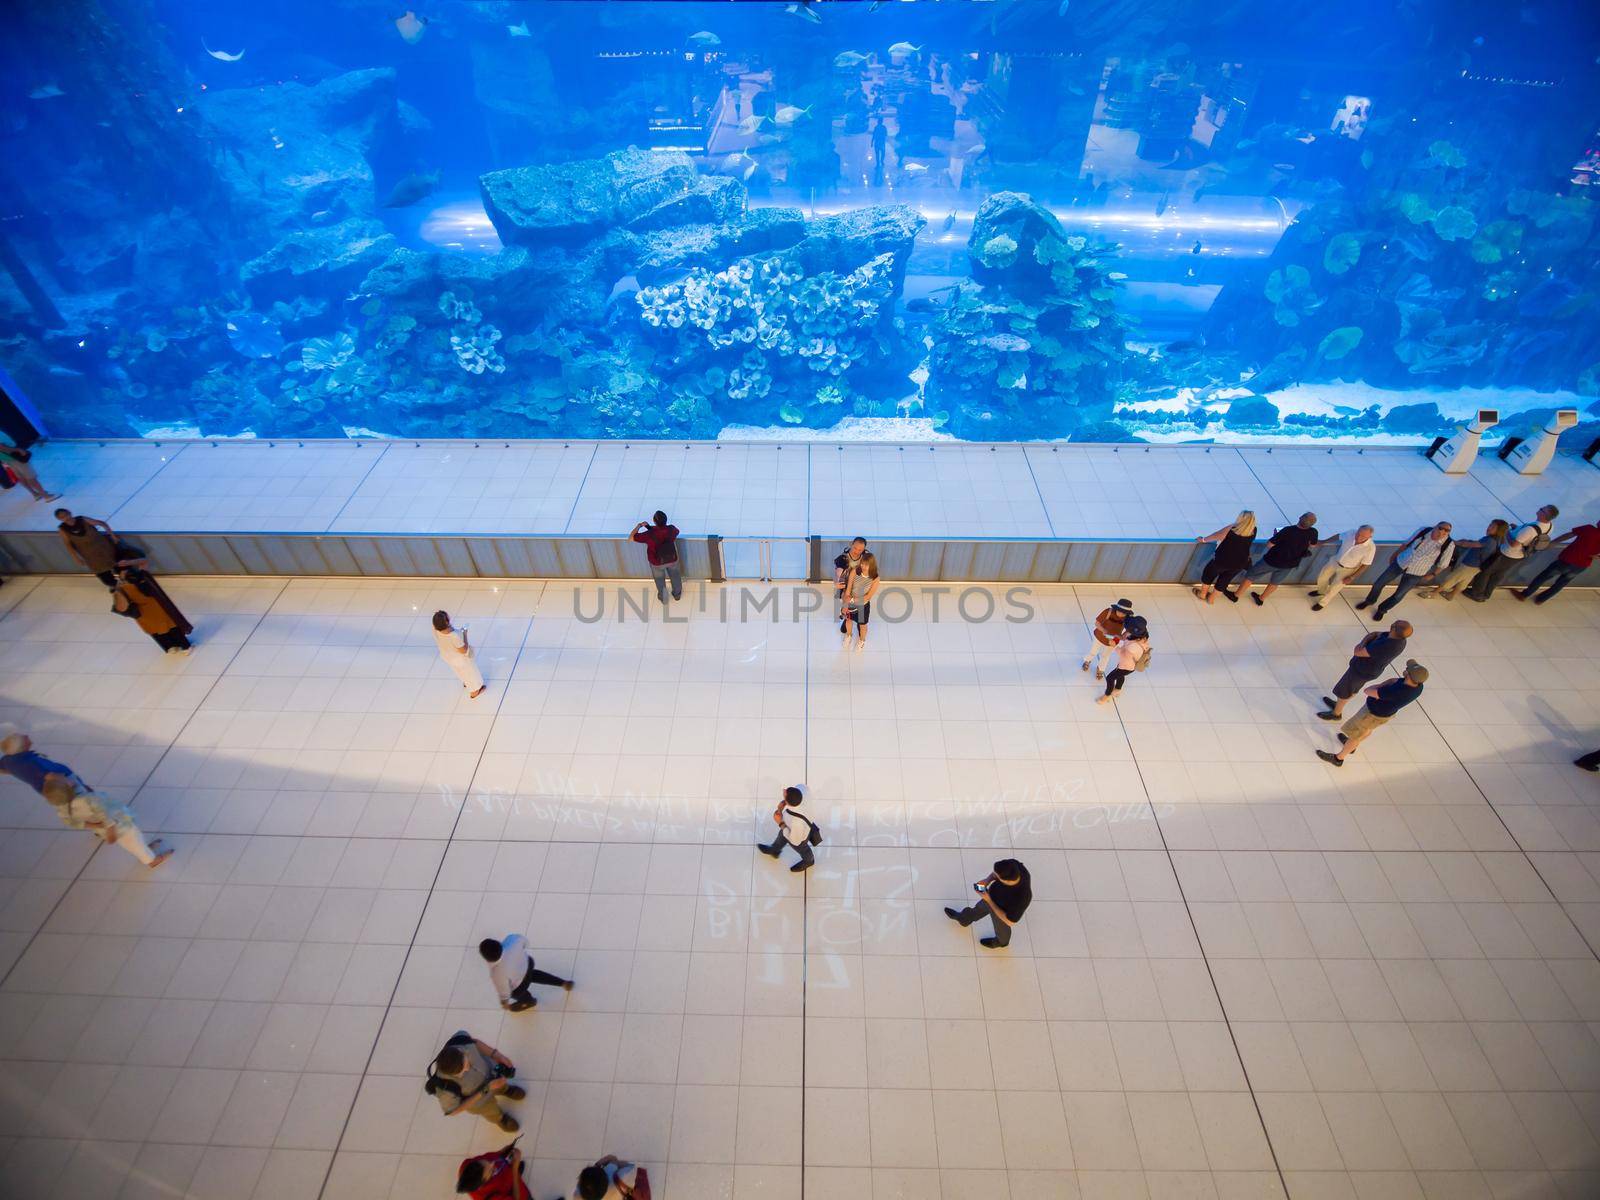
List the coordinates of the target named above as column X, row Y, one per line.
column 496, row 1175
column 660, row 543
column 1570, row 563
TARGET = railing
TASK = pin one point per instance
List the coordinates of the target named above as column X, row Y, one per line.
column 470, row 556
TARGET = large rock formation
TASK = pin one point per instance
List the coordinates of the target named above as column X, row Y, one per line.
column 567, row 203
column 295, row 156
column 308, row 260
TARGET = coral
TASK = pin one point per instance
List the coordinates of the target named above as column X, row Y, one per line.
column 475, row 352
column 323, row 354
column 1496, row 241
column 459, row 308
column 1339, row 343
column 1343, row 252
column 1443, row 154
column 1455, row 223
column 253, row 335
column 1289, row 289
column 999, row 251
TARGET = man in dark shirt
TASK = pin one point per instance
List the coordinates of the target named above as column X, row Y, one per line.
column 1371, row 659
column 1004, row 896
column 1568, row 565
column 660, row 543
column 1286, row 550
column 21, row 761
column 1383, row 702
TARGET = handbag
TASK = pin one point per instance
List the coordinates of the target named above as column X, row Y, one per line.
column 1144, row 660
column 126, row 609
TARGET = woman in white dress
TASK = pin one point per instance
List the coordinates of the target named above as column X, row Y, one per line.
column 457, row 654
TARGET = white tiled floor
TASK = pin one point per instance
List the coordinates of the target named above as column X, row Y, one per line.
column 739, row 489
column 1245, row 974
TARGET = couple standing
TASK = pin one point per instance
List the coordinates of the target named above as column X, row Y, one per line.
column 856, row 582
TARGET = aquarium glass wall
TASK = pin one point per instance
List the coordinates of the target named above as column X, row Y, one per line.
column 1096, row 220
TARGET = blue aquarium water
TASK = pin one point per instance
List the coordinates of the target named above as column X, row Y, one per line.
column 1103, row 221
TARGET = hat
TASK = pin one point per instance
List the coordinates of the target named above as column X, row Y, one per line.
column 1415, row 671
column 1124, row 605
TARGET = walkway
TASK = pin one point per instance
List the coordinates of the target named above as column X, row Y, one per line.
column 771, row 490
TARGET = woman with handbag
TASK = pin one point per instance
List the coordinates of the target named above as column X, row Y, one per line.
column 15, row 459
column 137, row 595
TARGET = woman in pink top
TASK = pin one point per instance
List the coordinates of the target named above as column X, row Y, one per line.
column 1131, row 651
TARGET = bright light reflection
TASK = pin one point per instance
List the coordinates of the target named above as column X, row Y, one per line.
column 463, row 223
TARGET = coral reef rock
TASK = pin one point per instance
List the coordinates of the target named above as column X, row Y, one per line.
column 574, row 202
column 335, row 256
column 298, row 155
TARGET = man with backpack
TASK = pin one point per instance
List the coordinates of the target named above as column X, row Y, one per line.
column 794, row 828
column 472, row 1076
column 1425, row 555
column 660, row 542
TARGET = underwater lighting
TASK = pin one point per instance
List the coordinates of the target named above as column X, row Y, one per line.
column 462, row 221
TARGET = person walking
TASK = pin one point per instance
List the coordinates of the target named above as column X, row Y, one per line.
column 1383, row 701
column 1368, row 661
column 457, row 652
column 842, row 567
column 1354, row 555
column 1106, row 633
column 138, row 596
column 1471, row 556
column 496, row 1175
column 1427, row 553
column 660, row 542
column 110, row 820
column 880, row 148
column 794, row 829
column 1286, row 550
column 860, row 586
column 94, row 545
column 1232, row 556
column 1133, row 654
column 612, row 1179
column 15, row 459
column 1003, row 897
column 472, row 1076
column 512, row 972
column 22, row 762
column 1529, row 538
column 1567, row 566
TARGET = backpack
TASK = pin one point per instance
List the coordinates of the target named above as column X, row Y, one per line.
column 441, row 1087
column 1144, row 660
column 1541, row 540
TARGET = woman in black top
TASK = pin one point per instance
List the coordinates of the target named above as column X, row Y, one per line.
column 1232, row 556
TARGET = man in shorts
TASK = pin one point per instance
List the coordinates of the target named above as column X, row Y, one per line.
column 1286, row 550
column 1382, row 703
column 1368, row 662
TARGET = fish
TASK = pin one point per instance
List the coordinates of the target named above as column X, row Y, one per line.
column 626, row 286
column 704, row 38
column 1196, row 248
column 519, row 30
column 788, row 114
column 877, row 4
column 662, row 276
column 751, row 123
column 1161, row 205
column 902, row 49
column 1061, row 9
column 411, row 26
column 976, row 149
column 849, row 58
column 65, row 373
column 48, row 91
column 221, row 55
column 915, row 168
column 805, row 12
column 950, row 221
column 411, row 189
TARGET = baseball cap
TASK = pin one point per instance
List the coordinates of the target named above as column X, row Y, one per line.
column 1417, row 672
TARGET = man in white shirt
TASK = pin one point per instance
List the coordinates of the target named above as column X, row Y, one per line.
column 1355, row 555
column 1427, row 554
column 1517, row 548
column 794, row 828
column 512, row 972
